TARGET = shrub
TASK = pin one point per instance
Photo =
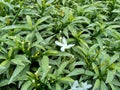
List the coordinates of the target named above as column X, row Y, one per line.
column 49, row 44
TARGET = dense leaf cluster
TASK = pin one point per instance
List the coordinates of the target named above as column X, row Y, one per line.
column 31, row 60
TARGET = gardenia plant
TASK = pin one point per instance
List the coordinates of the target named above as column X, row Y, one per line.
column 64, row 44
column 84, row 86
column 50, row 44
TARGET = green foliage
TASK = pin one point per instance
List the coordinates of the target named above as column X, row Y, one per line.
column 31, row 60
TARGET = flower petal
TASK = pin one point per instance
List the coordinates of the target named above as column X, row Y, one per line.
column 84, row 84
column 77, row 88
column 88, row 86
column 64, row 41
column 75, row 84
column 58, row 43
column 69, row 46
column 62, row 49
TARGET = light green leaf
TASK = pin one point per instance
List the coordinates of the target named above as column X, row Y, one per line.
column 114, row 57
column 49, row 2
column 63, row 2
column 53, row 76
column 93, row 48
column 62, row 67
column 20, row 60
column 51, row 52
column 29, row 21
column 89, row 73
column 81, row 19
column 4, row 65
column 116, row 11
column 64, row 54
column 66, row 79
column 110, row 75
column 112, row 86
column 76, row 72
column 38, row 46
column 26, row 85
column 116, row 82
column 103, row 86
column 65, row 31
column 15, row 27
column 10, row 52
column 39, row 2
column 58, row 87
column 45, row 66
column 97, row 84
column 72, row 30
column 115, row 34
column 82, row 42
column 39, row 21
column 4, row 82
column 17, row 70
column 82, row 49
column 100, row 42
column 39, row 37
column 113, row 27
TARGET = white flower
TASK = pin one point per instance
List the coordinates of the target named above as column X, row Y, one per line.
column 86, row 86
column 76, row 86
column 64, row 44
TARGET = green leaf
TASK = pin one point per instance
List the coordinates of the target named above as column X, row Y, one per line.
column 2, row 2
column 72, row 30
column 116, row 11
column 113, row 27
column 100, row 42
column 49, row 2
column 114, row 57
column 103, row 86
column 89, row 73
column 62, row 67
column 95, row 68
column 66, row 79
column 39, row 21
column 16, row 72
column 4, row 82
column 51, row 52
column 38, row 46
column 112, row 86
column 10, row 52
column 58, row 87
column 83, row 50
column 82, row 42
column 53, row 76
column 63, row 2
column 39, row 37
column 64, row 54
column 20, row 60
column 29, row 21
column 82, row 19
column 97, row 84
column 93, row 48
column 16, row 27
column 4, row 65
column 39, row 2
column 26, row 85
column 110, row 75
column 65, row 31
column 115, row 34
column 76, row 72
column 45, row 66
column 116, row 82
